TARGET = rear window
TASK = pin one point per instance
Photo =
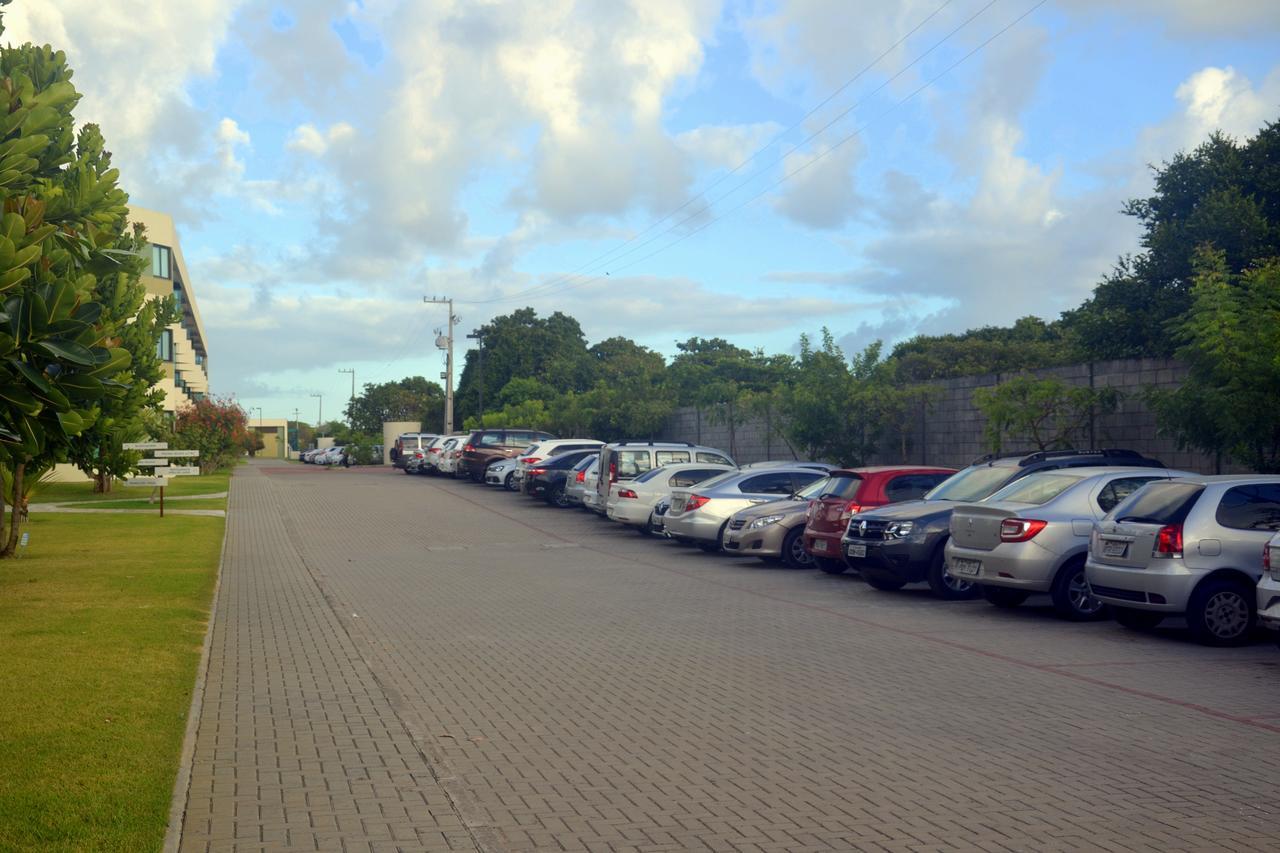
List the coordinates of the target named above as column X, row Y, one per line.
column 1159, row 503
column 584, row 464
column 971, row 484
column 1254, row 507
column 814, row 489
column 713, row 458
column 1036, row 489
column 911, row 487
column 564, row 460
column 843, row 486
column 767, row 484
column 712, row 482
column 632, row 463
column 692, row 476
column 649, row 475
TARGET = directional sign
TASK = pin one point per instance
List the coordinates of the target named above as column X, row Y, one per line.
column 152, row 463
column 145, row 445
column 147, row 481
column 182, row 471
column 174, row 454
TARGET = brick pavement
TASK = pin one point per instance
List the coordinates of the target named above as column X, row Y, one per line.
column 410, row 663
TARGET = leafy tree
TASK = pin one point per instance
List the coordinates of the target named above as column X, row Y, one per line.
column 1027, row 344
column 1230, row 340
column 720, row 378
column 1225, row 195
column 58, row 234
column 1049, row 413
column 215, row 426
column 413, row 398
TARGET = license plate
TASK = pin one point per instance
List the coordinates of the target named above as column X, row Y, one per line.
column 1114, row 549
column 819, row 544
column 857, row 551
column 968, row 568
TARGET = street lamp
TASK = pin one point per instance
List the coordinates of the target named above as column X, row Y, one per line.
column 351, row 415
column 478, row 337
column 297, row 433
column 319, row 413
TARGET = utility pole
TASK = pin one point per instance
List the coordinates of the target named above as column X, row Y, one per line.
column 352, row 411
column 478, row 337
column 297, row 432
column 445, row 342
column 319, row 413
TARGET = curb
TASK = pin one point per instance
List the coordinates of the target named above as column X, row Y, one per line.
column 182, row 784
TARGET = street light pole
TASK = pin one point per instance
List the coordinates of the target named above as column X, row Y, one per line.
column 319, row 413
column 448, row 364
column 351, row 414
column 478, row 337
column 297, row 433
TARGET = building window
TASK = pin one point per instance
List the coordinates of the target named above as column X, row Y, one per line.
column 160, row 257
column 164, row 346
column 177, row 295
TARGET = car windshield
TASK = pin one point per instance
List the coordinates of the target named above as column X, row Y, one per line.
column 971, row 484
column 813, row 490
column 1036, row 489
column 839, row 486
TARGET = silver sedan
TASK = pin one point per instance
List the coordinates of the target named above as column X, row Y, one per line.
column 699, row 514
column 1032, row 536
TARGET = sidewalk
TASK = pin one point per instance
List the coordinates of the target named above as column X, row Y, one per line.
column 298, row 748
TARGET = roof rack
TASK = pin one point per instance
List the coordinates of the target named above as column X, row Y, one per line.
column 1106, row 452
column 991, row 457
column 651, row 442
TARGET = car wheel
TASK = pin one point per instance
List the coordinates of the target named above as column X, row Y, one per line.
column 717, row 544
column 1002, row 596
column 830, row 566
column 793, row 552
column 558, row 498
column 1137, row 620
column 882, row 581
column 945, row 585
column 1071, row 595
column 1221, row 613
column 509, row 482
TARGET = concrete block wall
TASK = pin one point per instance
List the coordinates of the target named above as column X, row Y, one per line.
column 950, row 432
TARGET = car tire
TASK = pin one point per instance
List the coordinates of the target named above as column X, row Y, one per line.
column 1137, row 620
column 509, row 482
column 1222, row 612
column 1071, row 597
column 830, row 566
column 646, row 529
column 793, row 552
column 945, row 585
column 882, row 580
column 717, row 544
column 558, row 499
column 1002, row 596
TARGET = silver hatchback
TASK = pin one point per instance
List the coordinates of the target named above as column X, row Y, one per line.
column 1032, row 536
column 1189, row 546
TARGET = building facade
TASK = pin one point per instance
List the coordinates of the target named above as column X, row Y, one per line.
column 183, row 347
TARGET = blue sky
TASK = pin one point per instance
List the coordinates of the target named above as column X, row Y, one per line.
column 329, row 162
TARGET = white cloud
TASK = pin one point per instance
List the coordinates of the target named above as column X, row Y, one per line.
column 821, row 193
column 308, row 139
column 1212, row 99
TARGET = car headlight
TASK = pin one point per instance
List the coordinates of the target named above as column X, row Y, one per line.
column 764, row 521
column 899, row 529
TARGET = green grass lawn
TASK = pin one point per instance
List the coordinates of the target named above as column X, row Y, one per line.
column 60, row 492
column 202, row 503
column 101, row 624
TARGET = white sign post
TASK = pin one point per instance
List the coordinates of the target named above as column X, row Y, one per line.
column 161, row 461
column 164, row 453
column 145, row 445
column 153, row 463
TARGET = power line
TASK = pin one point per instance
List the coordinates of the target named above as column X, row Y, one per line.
column 596, row 261
column 788, row 176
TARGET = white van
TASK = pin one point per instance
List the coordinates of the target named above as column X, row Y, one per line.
column 625, row 460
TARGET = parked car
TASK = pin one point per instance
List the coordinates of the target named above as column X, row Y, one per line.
column 631, row 501
column 406, row 444
column 332, row 456
column 547, row 448
column 1188, row 546
column 853, row 490
column 486, row 446
column 904, row 543
column 626, row 460
column 1268, row 604
column 774, row 531
column 658, row 519
column 415, row 461
column 501, row 473
column 1032, row 536
column 431, row 454
column 576, row 488
column 549, row 479
column 451, row 454
column 591, row 489
column 699, row 515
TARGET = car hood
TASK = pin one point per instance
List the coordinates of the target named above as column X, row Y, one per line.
column 910, row 511
column 783, row 507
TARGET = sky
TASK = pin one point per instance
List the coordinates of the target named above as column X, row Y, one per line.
column 658, row 169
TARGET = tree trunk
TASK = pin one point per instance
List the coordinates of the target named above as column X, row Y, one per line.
column 15, row 513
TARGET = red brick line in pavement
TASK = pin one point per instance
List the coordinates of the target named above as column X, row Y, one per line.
column 1052, row 669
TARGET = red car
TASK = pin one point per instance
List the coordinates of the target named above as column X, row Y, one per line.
column 850, row 491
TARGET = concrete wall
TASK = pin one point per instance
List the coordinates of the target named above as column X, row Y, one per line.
column 950, row 432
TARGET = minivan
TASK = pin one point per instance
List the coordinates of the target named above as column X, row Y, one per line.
column 625, row 460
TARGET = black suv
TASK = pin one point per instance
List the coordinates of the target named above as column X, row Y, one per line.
column 904, row 543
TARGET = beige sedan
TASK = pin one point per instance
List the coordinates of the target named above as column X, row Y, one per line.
column 774, row 531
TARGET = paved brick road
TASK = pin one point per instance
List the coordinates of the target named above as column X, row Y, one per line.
column 407, row 663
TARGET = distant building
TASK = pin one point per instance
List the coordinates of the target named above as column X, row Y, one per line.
column 183, row 346
column 277, row 436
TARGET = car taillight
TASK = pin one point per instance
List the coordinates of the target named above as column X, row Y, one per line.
column 1020, row 529
column 850, row 509
column 582, row 477
column 468, row 448
column 694, row 502
column 1169, row 540
column 533, row 472
column 529, row 460
column 626, row 493
column 417, row 454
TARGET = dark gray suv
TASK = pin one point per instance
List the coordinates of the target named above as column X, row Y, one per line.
column 904, row 543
